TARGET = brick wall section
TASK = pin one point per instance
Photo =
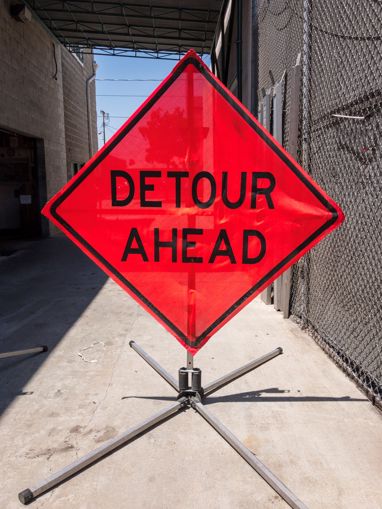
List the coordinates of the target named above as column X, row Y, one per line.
column 31, row 98
column 43, row 95
column 78, row 140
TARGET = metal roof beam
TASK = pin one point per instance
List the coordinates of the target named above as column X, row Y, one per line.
column 122, row 24
column 93, row 42
column 172, row 28
column 128, row 53
column 129, row 16
column 127, row 5
column 89, row 33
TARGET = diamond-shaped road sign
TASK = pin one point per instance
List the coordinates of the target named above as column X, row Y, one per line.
column 192, row 206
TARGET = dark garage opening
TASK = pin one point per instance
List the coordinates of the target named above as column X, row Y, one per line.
column 22, row 186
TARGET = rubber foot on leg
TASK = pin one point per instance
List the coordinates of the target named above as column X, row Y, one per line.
column 26, row 496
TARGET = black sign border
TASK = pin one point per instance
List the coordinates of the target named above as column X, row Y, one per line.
column 194, row 60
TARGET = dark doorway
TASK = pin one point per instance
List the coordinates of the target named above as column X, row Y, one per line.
column 22, row 186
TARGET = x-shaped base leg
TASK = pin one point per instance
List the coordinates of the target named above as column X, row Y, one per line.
column 27, row 351
column 188, row 397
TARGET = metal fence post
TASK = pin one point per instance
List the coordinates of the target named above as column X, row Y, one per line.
column 266, row 295
column 294, row 115
column 277, row 131
column 306, row 125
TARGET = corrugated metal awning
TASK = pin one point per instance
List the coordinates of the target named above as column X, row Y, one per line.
column 156, row 28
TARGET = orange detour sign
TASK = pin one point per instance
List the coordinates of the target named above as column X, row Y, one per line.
column 192, row 207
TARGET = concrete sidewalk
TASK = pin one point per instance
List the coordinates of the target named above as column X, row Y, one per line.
column 299, row 413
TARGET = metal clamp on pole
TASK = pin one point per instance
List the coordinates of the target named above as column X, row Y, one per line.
column 183, row 380
column 196, row 380
column 190, row 382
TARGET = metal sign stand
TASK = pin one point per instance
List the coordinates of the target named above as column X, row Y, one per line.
column 191, row 394
column 16, row 353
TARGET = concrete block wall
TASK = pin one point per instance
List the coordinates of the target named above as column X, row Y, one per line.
column 79, row 110
column 43, row 95
column 31, row 94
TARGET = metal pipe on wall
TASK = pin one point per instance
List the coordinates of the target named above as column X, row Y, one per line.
column 222, row 35
column 254, row 60
column 306, row 82
column 239, row 48
column 306, row 126
column 89, row 80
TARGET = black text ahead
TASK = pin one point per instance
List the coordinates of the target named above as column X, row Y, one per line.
column 255, row 191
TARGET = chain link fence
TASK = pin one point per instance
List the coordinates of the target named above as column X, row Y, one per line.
column 337, row 288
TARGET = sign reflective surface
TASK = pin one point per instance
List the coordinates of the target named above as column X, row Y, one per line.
column 192, row 207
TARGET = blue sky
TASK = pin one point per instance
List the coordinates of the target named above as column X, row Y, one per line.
column 135, row 92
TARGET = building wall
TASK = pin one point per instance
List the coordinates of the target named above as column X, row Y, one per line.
column 79, row 99
column 31, row 93
column 43, row 96
column 225, row 50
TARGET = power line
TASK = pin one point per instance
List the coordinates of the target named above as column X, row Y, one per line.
column 120, row 95
column 112, row 127
column 129, row 79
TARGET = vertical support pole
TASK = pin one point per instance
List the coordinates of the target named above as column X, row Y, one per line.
column 306, row 120
column 222, row 51
column 191, row 217
column 267, row 110
column 89, row 80
column 229, row 16
column 213, row 60
column 295, row 90
column 266, row 295
column 239, row 48
column 255, row 104
column 190, row 361
column 306, row 82
column 277, row 131
column 260, row 112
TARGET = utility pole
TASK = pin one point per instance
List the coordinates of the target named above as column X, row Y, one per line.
column 105, row 118
column 103, row 126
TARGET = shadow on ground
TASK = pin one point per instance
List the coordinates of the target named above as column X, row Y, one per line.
column 257, row 396
column 44, row 288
